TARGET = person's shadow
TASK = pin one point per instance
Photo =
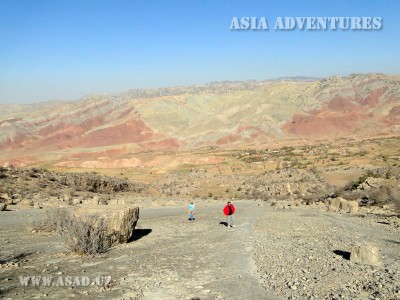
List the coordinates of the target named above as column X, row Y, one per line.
column 223, row 223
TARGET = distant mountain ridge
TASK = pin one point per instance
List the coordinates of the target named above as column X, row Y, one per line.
column 224, row 114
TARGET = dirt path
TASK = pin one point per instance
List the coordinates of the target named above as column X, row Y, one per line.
column 205, row 259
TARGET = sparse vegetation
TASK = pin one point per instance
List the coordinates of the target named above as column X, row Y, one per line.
column 52, row 221
column 83, row 236
column 375, row 187
column 313, row 198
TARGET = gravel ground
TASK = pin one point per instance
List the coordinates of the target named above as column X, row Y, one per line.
column 303, row 254
column 271, row 254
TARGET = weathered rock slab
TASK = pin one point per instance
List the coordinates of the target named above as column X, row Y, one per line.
column 121, row 225
column 367, row 253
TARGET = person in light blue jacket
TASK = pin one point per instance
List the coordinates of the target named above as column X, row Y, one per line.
column 192, row 208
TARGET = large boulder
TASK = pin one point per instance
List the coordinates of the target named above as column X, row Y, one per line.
column 120, row 225
column 87, row 231
column 367, row 253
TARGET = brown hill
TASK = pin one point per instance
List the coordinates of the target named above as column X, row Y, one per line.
column 104, row 130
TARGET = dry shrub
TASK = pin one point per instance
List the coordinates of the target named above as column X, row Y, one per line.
column 314, row 197
column 83, row 236
column 385, row 194
column 379, row 196
column 348, row 193
column 53, row 220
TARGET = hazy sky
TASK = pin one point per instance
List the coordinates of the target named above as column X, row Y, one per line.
column 67, row 49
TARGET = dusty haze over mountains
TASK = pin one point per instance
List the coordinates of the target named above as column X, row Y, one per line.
column 106, row 131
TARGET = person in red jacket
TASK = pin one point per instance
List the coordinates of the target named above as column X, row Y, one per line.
column 229, row 211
